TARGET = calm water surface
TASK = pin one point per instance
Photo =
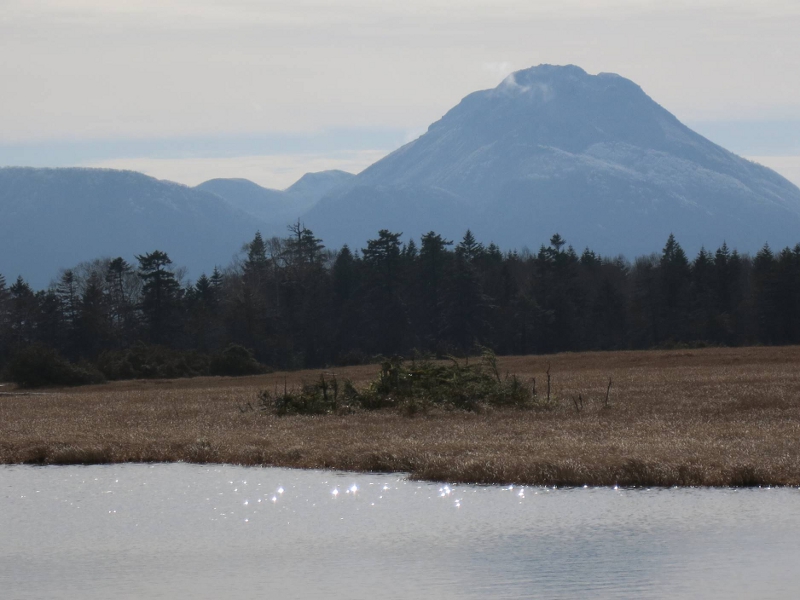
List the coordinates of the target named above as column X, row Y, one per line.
column 189, row 531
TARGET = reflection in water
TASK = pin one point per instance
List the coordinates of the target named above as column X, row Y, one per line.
column 167, row 531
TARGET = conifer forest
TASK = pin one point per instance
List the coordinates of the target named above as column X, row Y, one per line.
column 291, row 302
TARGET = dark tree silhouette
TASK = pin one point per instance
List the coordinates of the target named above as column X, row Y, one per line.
column 160, row 294
column 290, row 302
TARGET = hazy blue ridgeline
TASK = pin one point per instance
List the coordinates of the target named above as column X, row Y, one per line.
column 549, row 149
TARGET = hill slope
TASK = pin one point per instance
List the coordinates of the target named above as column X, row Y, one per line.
column 554, row 149
column 278, row 207
column 54, row 218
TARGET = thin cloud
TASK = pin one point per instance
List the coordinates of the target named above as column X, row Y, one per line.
column 94, row 69
column 499, row 69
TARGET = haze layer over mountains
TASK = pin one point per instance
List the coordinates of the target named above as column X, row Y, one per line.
column 550, row 149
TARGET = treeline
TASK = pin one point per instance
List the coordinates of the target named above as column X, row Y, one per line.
column 291, row 303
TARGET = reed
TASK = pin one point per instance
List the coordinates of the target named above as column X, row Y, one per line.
column 709, row 417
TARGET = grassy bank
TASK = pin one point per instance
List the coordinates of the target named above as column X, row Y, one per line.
column 696, row 417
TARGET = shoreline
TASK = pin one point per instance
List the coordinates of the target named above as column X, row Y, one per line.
column 690, row 418
column 631, row 477
column 411, row 477
column 631, row 474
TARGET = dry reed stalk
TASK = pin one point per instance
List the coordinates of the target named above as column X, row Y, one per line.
column 713, row 417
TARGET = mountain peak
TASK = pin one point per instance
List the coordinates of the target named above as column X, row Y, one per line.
column 547, row 71
column 544, row 83
column 559, row 75
column 554, row 148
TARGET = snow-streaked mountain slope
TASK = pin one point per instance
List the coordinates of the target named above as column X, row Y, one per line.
column 554, row 149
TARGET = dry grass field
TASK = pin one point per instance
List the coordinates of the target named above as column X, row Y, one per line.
column 713, row 417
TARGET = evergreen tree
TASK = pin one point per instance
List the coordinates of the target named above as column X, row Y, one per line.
column 495, row 281
column 204, row 291
column 675, row 275
column 709, row 321
column 410, row 252
column 723, row 280
column 203, row 323
column 469, row 247
column 382, row 256
column 765, row 296
column 93, row 318
column 740, row 318
column 433, row 262
column 344, row 274
column 589, row 259
column 5, row 319
column 50, row 327
column 67, row 291
column 646, row 302
column 786, row 299
column 530, row 327
column 387, row 321
column 303, row 247
column 346, row 282
column 255, row 291
column 609, row 311
column 23, row 314
column 121, row 288
column 307, row 290
column 557, row 242
column 5, row 295
column 160, row 295
column 256, row 265
column 557, row 293
column 216, row 280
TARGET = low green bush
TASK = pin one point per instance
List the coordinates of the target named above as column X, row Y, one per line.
column 235, row 360
column 39, row 366
column 324, row 396
column 143, row 361
column 412, row 387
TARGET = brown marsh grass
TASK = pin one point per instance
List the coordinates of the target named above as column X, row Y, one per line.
column 710, row 417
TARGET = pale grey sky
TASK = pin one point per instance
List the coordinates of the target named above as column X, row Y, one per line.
column 273, row 89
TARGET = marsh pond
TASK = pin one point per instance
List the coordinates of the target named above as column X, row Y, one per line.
column 205, row 531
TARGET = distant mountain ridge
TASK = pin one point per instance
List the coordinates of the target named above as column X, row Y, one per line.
column 550, row 149
column 277, row 206
column 52, row 219
column 554, row 149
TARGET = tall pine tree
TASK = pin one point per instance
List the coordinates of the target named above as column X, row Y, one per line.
column 160, row 295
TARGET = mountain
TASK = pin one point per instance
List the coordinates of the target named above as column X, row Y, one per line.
column 54, row 218
column 314, row 186
column 277, row 207
column 554, row 149
column 242, row 194
column 551, row 149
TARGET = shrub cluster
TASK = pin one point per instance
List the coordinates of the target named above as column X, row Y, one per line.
column 40, row 366
column 413, row 387
column 37, row 365
column 321, row 397
column 235, row 360
column 143, row 361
